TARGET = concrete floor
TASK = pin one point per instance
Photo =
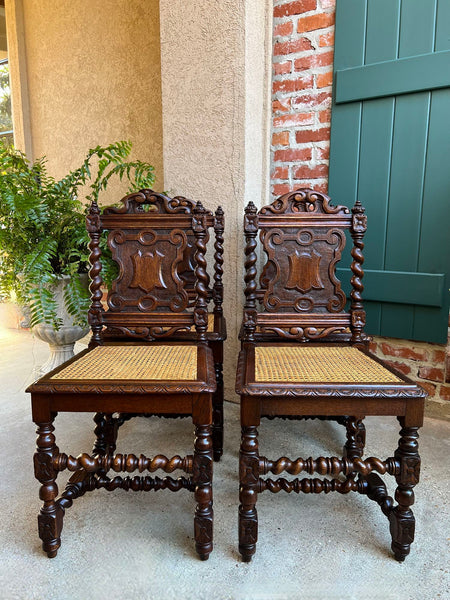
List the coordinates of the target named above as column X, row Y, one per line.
column 135, row 545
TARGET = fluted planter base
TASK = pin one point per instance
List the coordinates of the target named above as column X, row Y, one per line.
column 58, row 355
column 61, row 343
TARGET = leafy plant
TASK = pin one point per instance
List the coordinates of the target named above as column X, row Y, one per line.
column 42, row 226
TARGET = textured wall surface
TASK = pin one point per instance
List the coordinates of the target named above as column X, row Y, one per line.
column 18, row 76
column 93, row 78
column 214, row 59
column 303, row 38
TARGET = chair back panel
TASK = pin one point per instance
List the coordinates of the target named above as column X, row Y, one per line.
column 153, row 239
column 302, row 236
column 149, row 261
column 147, row 200
column 299, row 274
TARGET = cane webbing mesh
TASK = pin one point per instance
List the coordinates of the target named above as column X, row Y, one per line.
column 325, row 364
column 172, row 363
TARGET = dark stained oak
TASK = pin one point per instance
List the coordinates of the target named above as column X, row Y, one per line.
column 297, row 309
column 158, row 305
column 160, row 204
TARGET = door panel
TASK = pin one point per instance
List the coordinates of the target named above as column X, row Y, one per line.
column 390, row 145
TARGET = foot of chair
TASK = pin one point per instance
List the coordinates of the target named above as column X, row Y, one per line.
column 402, row 525
column 50, row 524
column 248, row 494
column 217, row 432
column 203, row 556
column 401, row 519
column 245, row 557
column 202, row 479
column 50, row 519
column 248, row 532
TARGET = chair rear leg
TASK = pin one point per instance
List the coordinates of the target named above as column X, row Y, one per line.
column 50, row 518
column 202, row 480
column 217, row 432
column 402, row 521
column 105, row 434
column 248, row 492
column 356, row 437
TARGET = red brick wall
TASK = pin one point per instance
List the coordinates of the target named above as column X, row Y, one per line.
column 302, row 79
column 428, row 364
column 303, row 44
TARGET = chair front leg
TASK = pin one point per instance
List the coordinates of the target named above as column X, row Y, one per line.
column 202, row 480
column 402, row 521
column 248, row 492
column 50, row 519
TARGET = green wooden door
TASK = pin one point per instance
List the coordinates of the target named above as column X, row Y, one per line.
column 390, row 147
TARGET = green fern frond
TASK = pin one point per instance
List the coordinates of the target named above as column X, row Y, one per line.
column 42, row 224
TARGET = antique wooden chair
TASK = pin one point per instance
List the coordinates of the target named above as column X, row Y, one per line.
column 302, row 235
column 132, row 375
column 157, row 204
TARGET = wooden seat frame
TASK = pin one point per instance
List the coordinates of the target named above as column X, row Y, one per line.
column 136, row 238
column 162, row 204
column 303, row 234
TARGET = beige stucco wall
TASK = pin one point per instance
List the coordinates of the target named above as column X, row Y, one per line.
column 93, row 76
column 215, row 64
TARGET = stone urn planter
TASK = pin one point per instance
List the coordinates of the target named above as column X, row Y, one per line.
column 61, row 342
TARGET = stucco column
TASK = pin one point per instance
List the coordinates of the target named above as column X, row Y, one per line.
column 18, row 76
column 215, row 73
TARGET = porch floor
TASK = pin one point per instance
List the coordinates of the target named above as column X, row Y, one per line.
column 140, row 545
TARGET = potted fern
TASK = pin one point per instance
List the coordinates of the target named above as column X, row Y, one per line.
column 43, row 239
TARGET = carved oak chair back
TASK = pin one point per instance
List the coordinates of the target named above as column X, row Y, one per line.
column 152, row 241
column 151, row 238
column 169, row 377
column 299, row 299
column 299, row 296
